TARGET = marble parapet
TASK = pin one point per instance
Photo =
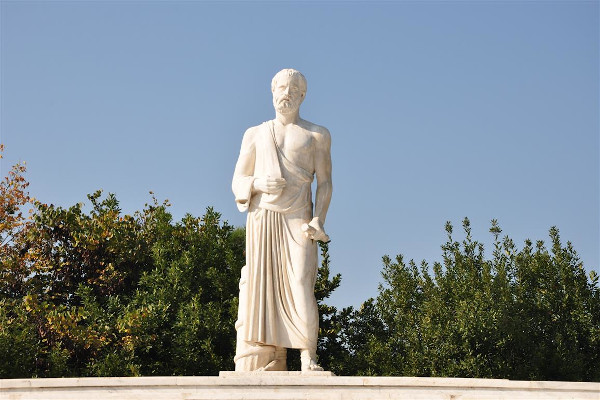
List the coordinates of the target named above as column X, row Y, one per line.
column 291, row 386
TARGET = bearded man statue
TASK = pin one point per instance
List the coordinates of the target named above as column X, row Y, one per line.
column 272, row 181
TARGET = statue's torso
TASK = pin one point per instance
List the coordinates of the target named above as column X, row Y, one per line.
column 297, row 143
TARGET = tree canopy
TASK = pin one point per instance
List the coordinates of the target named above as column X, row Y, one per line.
column 95, row 292
column 524, row 314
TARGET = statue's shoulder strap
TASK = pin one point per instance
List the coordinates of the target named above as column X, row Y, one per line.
column 271, row 125
column 267, row 158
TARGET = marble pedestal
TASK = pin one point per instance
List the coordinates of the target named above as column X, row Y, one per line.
column 291, row 386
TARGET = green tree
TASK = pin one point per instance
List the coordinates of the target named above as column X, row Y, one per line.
column 181, row 320
column 102, row 293
column 528, row 314
column 97, row 293
column 329, row 346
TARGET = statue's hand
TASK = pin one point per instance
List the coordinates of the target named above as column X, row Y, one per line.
column 314, row 230
column 268, row 185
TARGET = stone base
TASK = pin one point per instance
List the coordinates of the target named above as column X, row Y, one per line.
column 291, row 386
column 234, row 374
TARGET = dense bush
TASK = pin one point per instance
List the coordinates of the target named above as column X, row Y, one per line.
column 100, row 293
column 525, row 314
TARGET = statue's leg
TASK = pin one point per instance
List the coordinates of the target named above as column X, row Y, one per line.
column 249, row 356
column 308, row 359
column 305, row 259
column 307, row 309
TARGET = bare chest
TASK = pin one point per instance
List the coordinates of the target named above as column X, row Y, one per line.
column 297, row 144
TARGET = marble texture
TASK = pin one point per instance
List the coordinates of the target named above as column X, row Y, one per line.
column 291, row 385
column 277, row 164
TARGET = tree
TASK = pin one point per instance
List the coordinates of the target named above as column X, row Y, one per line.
column 96, row 293
column 528, row 314
column 181, row 319
column 329, row 346
column 13, row 231
column 18, row 339
column 102, row 293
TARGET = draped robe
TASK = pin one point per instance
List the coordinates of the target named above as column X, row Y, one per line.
column 277, row 303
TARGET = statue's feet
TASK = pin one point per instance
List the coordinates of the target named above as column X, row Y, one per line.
column 311, row 365
column 308, row 360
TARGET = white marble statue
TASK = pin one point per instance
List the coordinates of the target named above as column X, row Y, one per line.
column 272, row 181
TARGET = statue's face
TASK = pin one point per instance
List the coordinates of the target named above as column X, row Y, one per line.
column 287, row 95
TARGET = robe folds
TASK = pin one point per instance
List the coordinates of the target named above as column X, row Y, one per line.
column 277, row 303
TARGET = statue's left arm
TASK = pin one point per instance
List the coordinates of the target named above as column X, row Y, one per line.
column 324, row 184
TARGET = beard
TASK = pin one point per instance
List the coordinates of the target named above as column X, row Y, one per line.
column 286, row 105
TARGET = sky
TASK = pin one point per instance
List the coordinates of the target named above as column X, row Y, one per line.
column 438, row 110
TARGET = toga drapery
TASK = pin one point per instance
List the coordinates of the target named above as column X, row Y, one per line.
column 277, row 303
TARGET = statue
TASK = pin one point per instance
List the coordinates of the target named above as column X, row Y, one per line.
column 272, row 181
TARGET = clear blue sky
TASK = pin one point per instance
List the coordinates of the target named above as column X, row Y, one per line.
column 438, row 110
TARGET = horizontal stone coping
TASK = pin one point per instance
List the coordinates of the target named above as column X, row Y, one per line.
column 229, row 379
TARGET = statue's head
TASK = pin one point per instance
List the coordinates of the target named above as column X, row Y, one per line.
column 289, row 88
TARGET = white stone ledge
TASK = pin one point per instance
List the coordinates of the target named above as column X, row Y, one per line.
column 291, row 385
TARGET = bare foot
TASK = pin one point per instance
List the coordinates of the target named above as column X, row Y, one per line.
column 311, row 366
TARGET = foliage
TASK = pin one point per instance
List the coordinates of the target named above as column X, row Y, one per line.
column 99, row 293
column 181, row 319
column 329, row 343
column 13, row 230
column 524, row 314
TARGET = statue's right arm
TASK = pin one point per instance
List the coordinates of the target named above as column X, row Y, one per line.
column 243, row 176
